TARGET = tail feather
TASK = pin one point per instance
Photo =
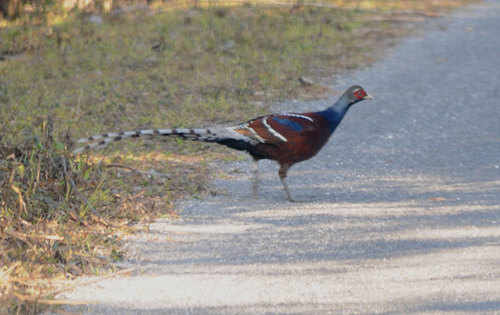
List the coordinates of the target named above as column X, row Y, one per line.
column 220, row 135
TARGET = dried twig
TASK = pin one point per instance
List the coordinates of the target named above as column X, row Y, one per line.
column 25, row 237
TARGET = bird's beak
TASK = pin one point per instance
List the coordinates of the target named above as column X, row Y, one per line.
column 368, row 97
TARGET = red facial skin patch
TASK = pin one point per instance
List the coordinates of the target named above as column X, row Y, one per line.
column 360, row 93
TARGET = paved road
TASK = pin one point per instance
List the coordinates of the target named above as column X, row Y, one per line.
column 400, row 212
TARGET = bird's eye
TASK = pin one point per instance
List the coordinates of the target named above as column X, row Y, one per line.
column 359, row 93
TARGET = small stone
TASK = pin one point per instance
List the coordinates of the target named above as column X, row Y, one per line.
column 96, row 19
column 306, row 81
column 228, row 45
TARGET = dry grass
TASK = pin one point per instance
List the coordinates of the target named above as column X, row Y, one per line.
column 70, row 75
column 60, row 215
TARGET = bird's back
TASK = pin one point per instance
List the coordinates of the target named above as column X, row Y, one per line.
column 287, row 138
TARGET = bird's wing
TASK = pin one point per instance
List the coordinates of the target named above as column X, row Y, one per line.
column 253, row 129
column 277, row 128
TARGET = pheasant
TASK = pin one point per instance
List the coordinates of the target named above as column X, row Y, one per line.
column 285, row 138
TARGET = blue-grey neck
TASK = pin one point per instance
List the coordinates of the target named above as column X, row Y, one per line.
column 335, row 113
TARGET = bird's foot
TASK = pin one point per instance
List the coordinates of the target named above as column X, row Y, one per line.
column 297, row 201
column 255, row 191
column 289, row 197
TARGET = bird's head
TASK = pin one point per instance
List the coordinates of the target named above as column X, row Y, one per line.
column 356, row 94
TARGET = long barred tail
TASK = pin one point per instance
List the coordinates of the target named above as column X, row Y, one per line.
column 223, row 135
column 99, row 141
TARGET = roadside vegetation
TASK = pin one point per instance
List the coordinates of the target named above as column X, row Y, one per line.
column 71, row 74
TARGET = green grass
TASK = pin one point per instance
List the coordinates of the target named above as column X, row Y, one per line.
column 191, row 68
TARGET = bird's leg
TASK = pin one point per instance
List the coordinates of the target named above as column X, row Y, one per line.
column 255, row 181
column 282, row 172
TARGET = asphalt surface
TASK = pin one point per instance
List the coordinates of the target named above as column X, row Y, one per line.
column 400, row 212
